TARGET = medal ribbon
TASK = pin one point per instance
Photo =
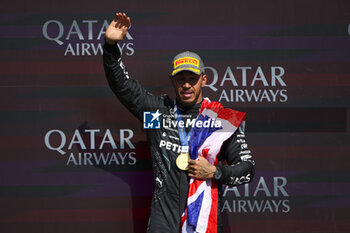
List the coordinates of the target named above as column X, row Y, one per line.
column 184, row 137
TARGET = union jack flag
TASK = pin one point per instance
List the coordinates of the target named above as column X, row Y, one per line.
column 200, row 214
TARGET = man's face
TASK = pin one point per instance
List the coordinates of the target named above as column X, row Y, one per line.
column 188, row 87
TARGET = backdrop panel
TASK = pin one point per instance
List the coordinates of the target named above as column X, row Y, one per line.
column 74, row 159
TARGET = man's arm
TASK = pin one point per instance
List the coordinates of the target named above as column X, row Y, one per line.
column 129, row 91
column 240, row 167
column 240, row 164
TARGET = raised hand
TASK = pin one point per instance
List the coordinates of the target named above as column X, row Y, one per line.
column 118, row 28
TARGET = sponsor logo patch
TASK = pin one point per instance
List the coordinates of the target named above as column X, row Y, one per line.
column 186, row 60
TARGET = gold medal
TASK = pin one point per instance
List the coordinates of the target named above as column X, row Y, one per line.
column 182, row 160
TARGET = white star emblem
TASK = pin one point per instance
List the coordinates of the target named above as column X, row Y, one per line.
column 156, row 115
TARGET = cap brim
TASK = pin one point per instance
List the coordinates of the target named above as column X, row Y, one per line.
column 193, row 70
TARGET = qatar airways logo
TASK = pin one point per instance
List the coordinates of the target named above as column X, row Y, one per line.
column 82, row 37
column 265, row 196
column 246, row 84
column 91, row 147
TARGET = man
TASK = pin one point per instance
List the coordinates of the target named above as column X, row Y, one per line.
column 174, row 172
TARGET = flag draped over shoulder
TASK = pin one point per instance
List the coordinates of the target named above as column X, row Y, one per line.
column 200, row 214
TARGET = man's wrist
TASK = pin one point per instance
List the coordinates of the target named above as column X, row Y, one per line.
column 111, row 42
column 212, row 171
column 217, row 174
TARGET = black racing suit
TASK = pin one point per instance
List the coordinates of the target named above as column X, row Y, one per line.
column 171, row 184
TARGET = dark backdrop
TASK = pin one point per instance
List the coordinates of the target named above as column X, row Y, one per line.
column 286, row 63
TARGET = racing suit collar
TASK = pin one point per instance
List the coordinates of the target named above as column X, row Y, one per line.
column 186, row 109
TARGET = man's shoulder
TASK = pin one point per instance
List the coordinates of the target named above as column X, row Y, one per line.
column 162, row 101
column 232, row 115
